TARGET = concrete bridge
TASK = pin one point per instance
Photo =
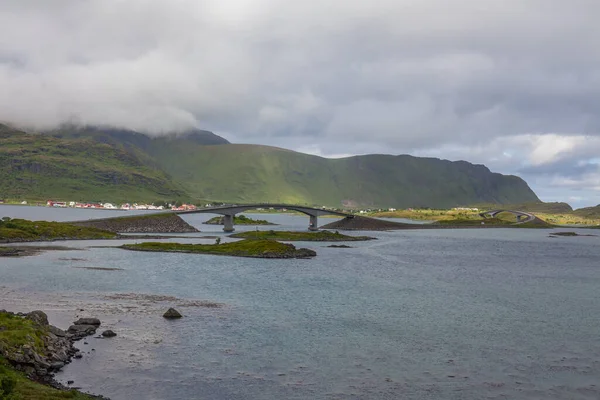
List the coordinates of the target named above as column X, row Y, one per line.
column 228, row 212
column 521, row 216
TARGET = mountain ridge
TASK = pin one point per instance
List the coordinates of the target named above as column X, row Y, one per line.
column 202, row 165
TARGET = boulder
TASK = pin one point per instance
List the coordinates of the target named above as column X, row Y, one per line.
column 108, row 333
column 56, row 331
column 87, row 321
column 172, row 313
column 39, row 317
column 81, row 331
column 55, row 366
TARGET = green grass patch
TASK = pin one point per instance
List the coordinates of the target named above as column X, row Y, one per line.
column 475, row 222
column 16, row 331
column 290, row 236
column 242, row 248
column 14, row 385
column 239, row 220
column 14, row 230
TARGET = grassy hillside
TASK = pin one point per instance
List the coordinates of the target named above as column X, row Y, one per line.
column 43, row 167
column 533, row 207
column 249, row 173
column 588, row 212
column 116, row 165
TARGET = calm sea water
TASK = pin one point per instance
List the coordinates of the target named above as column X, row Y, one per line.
column 448, row 314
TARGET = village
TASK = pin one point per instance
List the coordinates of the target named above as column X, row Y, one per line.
column 124, row 206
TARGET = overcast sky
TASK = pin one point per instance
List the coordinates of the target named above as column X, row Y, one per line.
column 512, row 84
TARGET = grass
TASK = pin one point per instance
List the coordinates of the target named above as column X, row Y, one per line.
column 16, row 332
column 473, row 222
column 17, row 230
column 19, row 387
column 320, row 236
column 42, row 167
column 242, row 248
column 447, row 216
column 239, row 220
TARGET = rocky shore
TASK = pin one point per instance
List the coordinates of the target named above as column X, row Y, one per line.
column 34, row 347
column 154, row 223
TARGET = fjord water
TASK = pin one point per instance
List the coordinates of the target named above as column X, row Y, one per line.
column 424, row 314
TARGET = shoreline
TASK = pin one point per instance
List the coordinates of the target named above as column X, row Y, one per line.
column 135, row 317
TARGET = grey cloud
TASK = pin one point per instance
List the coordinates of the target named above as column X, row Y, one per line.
column 340, row 76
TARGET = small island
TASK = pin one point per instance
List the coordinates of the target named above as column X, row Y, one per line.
column 242, row 248
column 238, row 220
column 22, row 230
column 290, row 236
column 567, row 234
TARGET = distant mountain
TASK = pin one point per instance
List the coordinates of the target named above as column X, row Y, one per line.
column 36, row 166
column 202, row 165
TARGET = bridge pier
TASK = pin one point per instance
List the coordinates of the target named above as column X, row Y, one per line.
column 314, row 224
column 228, row 223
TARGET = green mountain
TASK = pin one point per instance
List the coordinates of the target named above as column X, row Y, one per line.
column 36, row 166
column 201, row 165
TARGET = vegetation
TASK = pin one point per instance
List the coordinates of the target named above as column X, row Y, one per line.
column 22, row 230
column 320, row 236
column 16, row 332
column 242, row 248
column 239, row 220
column 104, row 164
column 42, row 167
column 472, row 222
column 589, row 212
column 563, row 218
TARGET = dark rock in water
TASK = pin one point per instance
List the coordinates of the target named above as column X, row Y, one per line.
column 39, row 317
column 70, row 382
column 340, row 246
column 108, row 333
column 87, row 321
column 57, row 331
column 172, row 313
column 78, row 355
column 567, row 234
column 55, row 366
column 81, row 331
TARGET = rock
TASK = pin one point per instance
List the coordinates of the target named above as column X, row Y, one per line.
column 39, row 317
column 109, row 333
column 87, row 321
column 81, row 331
column 78, row 355
column 70, row 382
column 55, row 366
column 172, row 313
column 56, row 331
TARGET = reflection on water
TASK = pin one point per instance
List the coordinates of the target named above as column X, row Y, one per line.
column 449, row 314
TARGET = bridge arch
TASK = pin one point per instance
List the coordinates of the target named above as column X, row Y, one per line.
column 228, row 212
column 521, row 216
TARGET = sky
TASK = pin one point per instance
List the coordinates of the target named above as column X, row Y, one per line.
column 512, row 84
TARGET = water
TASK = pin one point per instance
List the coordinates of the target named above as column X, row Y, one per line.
column 448, row 314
